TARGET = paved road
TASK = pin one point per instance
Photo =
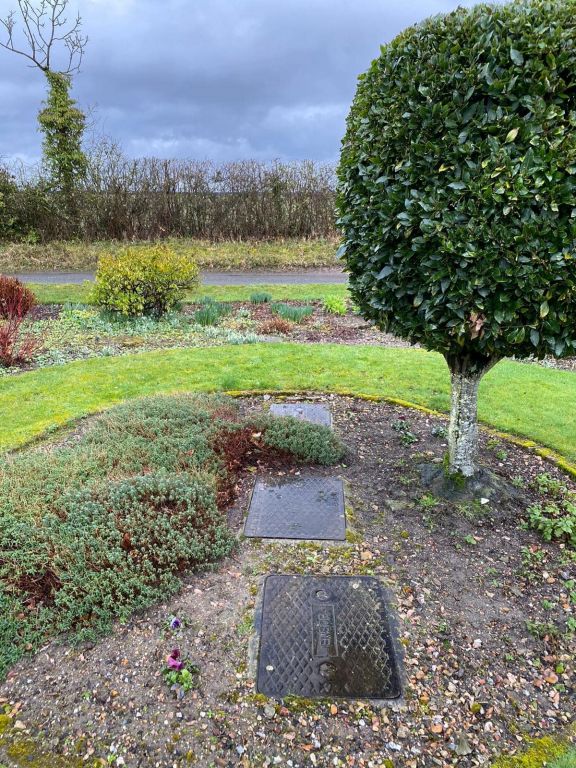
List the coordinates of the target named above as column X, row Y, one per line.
column 254, row 277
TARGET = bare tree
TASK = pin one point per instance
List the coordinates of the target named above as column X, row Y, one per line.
column 42, row 28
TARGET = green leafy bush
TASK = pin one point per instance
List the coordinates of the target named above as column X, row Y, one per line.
column 260, row 298
column 555, row 517
column 456, row 194
column 291, row 313
column 143, row 281
column 335, row 306
column 109, row 552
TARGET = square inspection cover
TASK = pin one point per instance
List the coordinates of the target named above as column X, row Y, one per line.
column 303, row 508
column 326, row 636
column 313, row 412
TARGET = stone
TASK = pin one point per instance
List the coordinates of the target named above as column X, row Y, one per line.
column 312, row 412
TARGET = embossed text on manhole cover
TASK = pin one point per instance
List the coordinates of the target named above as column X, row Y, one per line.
column 326, row 636
column 314, row 412
column 302, row 508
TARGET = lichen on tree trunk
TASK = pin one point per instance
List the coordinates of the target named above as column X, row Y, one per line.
column 463, row 430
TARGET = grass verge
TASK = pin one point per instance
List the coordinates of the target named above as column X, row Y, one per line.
column 256, row 254
column 527, row 400
column 80, row 294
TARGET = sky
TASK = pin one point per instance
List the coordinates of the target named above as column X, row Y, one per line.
column 213, row 79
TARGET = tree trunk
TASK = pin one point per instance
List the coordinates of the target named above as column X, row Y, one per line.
column 463, row 430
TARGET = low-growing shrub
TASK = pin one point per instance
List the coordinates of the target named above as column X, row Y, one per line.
column 16, row 344
column 16, row 300
column 110, row 552
column 312, row 443
column 260, row 298
column 556, row 520
column 291, row 313
column 335, row 306
column 143, row 281
column 276, row 325
column 106, row 524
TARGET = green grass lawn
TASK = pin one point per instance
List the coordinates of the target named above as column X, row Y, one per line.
column 527, row 400
column 251, row 254
column 80, row 294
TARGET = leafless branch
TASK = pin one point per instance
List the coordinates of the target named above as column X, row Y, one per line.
column 42, row 26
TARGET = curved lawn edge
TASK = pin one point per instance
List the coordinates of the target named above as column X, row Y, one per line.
column 526, row 401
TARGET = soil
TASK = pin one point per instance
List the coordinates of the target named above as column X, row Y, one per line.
column 481, row 605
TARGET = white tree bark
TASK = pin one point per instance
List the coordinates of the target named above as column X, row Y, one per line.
column 463, row 430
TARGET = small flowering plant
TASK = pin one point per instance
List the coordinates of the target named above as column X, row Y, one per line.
column 173, row 625
column 180, row 673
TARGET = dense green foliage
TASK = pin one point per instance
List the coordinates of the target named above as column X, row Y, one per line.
column 211, row 313
column 8, row 220
column 99, row 527
column 63, row 126
column 309, row 442
column 260, row 297
column 457, row 183
column 144, row 281
column 335, row 306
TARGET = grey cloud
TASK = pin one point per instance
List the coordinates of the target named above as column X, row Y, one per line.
column 223, row 79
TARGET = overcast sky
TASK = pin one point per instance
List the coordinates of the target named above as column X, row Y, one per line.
column 218, row 79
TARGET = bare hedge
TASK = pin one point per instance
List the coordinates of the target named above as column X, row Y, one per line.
column 149, row 198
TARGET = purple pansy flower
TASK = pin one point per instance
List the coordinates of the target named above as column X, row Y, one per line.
column 173, row 660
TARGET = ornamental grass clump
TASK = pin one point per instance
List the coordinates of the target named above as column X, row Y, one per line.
column 145, row 280
column 260, row 297
column 457, row 194
column 210, row 313
column 291, row 313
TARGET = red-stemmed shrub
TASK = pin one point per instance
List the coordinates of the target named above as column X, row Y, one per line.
column 16, row 301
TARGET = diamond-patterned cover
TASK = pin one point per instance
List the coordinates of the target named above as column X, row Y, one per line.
column 326, row 637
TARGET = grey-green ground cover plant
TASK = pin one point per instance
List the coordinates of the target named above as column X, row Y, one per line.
column 98, row 527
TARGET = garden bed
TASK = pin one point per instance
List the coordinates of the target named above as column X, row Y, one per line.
column 76, row 333
column 487, row 620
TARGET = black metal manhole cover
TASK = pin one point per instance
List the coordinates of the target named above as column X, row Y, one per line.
column 326, row 636
column 305, row 508
column 314, row 412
